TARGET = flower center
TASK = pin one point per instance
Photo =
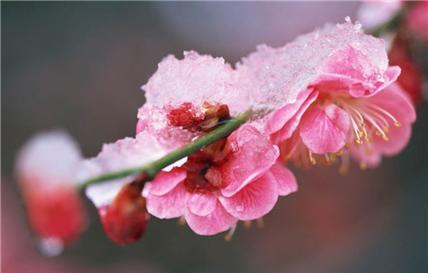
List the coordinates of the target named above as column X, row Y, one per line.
column 203, row 174
column 368, row 121
column 190, row 118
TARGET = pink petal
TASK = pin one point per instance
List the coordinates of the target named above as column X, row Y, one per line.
column 366, row 153
column 349, row 70
column 285, row 179
column 288, row 129
column 253, row 201
column 202, row 204
column 164, row 182
column 217, row 221
column 324, row 130
column 398, row 139
column 394, row 100
column 169, row 205
column 281, row 116
column 251, row 156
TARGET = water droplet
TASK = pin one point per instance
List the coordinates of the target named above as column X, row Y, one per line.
column 51, row 246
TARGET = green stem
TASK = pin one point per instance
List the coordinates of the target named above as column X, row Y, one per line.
column 152, row 168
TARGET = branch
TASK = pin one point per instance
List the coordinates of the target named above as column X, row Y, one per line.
column 152, row 168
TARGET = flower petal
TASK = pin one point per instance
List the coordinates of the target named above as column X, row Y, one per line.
column 281, row 116
column 285, row 179
column 366, row 154
column 252, row 155
column 164, row 182
column 289, row 128
column 217, row 221
column 202, row 204
column 398, row 139
column 350, row 70
column 169, row 205
column 323, row 130
column 394, row 100
column 253, row 201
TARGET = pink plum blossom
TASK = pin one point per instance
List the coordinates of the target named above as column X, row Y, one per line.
column 334, row 93
column 237, row 178
column 189, row 96
column 197, row 79
column 45, row 170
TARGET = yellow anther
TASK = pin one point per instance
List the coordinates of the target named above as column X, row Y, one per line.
column 312, row 159
column 340, row 152
column 397, row 123
column 358, row 141
column 327, row 159
column 247, row 224
column 181, row 221
column 385, row 137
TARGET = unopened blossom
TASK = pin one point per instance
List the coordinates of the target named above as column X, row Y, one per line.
column 46, row 168
column 125, row 218
column 120, row 203
column 233, row 179
column 334, row 94
column 417, row 19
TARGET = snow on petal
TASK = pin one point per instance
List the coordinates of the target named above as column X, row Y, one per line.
column 51, row 156
column 197, row 79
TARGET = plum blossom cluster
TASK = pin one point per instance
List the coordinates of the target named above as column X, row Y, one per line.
column 330, row 95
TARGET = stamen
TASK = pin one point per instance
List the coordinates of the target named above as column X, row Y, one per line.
column 360, row 117
column 312, row 158
column 247, row 224
column 379, row 117
column 327, row 159
column 344, row 166
column 388, row 114
column 356, row 131
column 363, row 165
column 229, row 235
column 379, row 130
column 181, row 221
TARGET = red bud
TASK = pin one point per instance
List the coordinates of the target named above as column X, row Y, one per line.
column 125, row 219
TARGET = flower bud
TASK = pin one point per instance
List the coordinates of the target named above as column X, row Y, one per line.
column 125, row 219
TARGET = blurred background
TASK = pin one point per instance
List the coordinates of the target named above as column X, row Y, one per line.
column 79, row 66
